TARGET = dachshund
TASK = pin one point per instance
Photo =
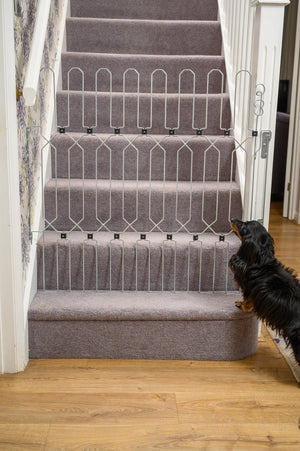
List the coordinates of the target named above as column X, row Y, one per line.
column 268, row 288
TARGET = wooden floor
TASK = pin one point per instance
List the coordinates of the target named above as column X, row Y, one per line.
column 253, row 404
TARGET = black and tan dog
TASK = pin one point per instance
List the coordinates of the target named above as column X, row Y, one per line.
column 268, row 288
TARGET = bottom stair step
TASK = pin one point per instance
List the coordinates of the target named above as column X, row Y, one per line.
column 140, row 325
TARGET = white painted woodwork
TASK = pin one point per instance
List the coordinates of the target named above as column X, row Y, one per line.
column 36, row 53
column 36, row 224
column 291, row 206
column 14, row 298
column 13, row 341
column 252, row 36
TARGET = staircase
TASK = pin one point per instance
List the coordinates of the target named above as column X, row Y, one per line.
column 133, row 259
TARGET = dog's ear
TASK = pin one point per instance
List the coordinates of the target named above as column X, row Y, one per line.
column 257, row 251
column 248, row 252
column 266, row 246
column 267, row 243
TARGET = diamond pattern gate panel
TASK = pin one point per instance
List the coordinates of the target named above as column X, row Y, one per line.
column 143, row 183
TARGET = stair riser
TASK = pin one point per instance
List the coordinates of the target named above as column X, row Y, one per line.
column 90, row 157
column 145, row 65
column 130, row 210
column 119, row 265
column 143, row 9
column 143, row 37
column 179, row 340
column 212, row 117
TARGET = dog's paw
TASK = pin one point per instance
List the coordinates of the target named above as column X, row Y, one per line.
column 246, row 306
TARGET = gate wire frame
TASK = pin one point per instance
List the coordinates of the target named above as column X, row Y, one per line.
column 116, row 238
column 143, row 240
column 84, row 244
column 157, row 144
column 194, row 241
column 76, row 223
column 102, row 144
column 69, row 262
column 259, row 112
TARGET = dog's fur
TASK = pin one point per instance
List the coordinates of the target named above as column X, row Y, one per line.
column 268, row 288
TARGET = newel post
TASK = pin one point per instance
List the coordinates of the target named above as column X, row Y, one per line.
column 265, row 68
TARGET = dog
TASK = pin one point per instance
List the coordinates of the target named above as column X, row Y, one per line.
column 269, row 288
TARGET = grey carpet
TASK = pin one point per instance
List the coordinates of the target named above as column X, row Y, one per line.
column 140, row 205
column 96, row 156
column 78, row 263
column 168, row 37
column 143, row 9
column 123, row 270
column 77, row 112
column 89, row 63
column 134, row 325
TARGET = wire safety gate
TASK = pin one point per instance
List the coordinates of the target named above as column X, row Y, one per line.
column 145, row 199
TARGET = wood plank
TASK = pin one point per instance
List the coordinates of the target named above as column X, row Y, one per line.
column 57, row 363
column 181, row 437
column 247, row 407
column 23, row 436
column 287, row 237
column 144, row 380
column 76, row 408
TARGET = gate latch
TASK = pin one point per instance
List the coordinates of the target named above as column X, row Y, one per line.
column 265, row 140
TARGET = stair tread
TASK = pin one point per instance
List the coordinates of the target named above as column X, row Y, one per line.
column 193, row 9
column 135, row 305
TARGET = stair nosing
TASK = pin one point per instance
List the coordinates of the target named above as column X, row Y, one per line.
column 155, row 184
column 142, row 55
column 160, row 21
column 183, row 95
column 134, row 135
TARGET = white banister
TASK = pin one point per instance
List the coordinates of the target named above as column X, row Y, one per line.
column 237, row 23
column 266, row 57
column 252, row 38
column 36, row 53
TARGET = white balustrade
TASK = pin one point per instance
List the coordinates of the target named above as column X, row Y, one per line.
column 252, row 38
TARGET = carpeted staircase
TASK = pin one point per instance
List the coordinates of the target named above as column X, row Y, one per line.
column 133, row 262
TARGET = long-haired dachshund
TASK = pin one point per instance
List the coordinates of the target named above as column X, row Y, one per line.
column 268, row 288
